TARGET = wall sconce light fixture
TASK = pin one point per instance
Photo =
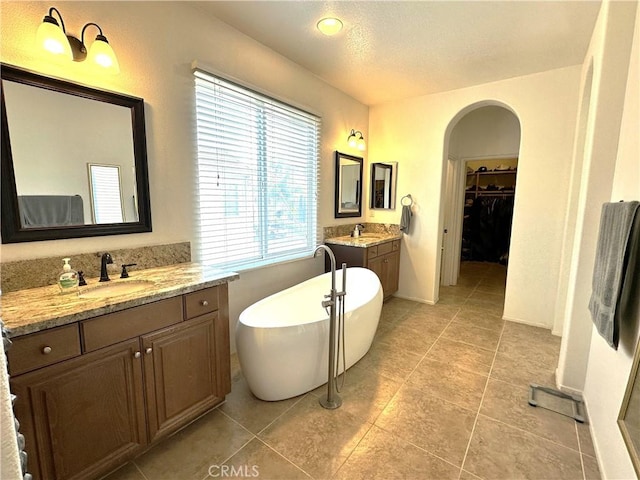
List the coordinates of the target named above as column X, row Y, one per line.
column 55, row 40
column 356, row 140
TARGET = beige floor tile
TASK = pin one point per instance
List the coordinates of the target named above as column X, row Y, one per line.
column 189, row 453
column 479, row 318
column 530, row 344
column 519, row 371
column 257, row 460
column 584, row 437
column 425, row 323
column 437, row 426
column 317, row 440
column 381, row 455
column 448, row 382
column 127, row 472
column 252, row 413
column 365, row 393
column 390, row 361
column 480, row 337
column 464, row 475
column 591, row 469
column 494, row 308
column 462, row 355
column 509, row 404
column 437, row 310
column 499, row 451
column 405, row 338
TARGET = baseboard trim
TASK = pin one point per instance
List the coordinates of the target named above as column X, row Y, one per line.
column 413, row 299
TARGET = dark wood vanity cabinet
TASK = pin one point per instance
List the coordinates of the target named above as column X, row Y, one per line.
column 383, row 259
column 86, row 415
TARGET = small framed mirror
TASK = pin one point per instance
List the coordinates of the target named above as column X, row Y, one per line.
column 629, row 417
column 348, row 202
column 53, row 133
column 383, row 185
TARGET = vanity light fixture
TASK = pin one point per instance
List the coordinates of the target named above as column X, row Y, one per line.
column 329, row 26
column 356, row 140
column 54, row 39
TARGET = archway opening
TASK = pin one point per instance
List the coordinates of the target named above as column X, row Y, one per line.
column 482, row 162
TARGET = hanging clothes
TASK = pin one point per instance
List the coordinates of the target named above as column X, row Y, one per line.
column 487, row 229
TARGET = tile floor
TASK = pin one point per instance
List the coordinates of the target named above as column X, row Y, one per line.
column 442, row 394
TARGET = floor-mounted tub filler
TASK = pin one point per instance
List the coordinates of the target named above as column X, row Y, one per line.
column 283, row 340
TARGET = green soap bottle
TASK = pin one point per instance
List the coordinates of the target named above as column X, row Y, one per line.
column 68, row 280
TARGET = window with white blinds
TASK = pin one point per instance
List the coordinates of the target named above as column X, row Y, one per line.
column 257, row 180
column 106, row 195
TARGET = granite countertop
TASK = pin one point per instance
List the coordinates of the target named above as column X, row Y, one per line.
column 35, row 309
column 365, row 240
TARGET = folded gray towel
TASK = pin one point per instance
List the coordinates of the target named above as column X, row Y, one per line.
column 405, row 219
column 619, row 227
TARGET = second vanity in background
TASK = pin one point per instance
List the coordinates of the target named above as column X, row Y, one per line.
column 100, row 380
column 377, row 252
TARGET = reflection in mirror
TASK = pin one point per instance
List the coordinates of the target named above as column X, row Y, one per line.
column 348, row 201
column 52, row 131
column 106, row 194
column 383, row 185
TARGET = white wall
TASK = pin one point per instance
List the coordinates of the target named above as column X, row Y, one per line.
column 606, row 67
column 486, row 132
column 608, row 370
column 546, row 106
column 156, row 43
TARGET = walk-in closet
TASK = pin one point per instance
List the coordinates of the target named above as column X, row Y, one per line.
column 488, row 209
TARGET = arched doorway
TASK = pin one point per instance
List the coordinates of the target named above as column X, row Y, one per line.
column 481, row 151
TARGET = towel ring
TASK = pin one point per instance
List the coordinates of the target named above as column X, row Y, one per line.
column 407, row 196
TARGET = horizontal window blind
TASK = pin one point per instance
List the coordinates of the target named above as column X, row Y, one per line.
column 106, row 196
column 258, row 163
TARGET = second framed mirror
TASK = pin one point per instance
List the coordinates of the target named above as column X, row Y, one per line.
column 383, row 185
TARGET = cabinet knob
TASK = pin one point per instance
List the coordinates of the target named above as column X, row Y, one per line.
column 148, row 350
column 136, row 355
column 46, row 350
column 204, row 303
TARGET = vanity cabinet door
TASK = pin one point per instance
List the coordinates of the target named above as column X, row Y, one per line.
column 180, row 373
column 84, row 416
column 391, row 269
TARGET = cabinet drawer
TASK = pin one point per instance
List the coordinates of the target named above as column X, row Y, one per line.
column 43, row 348
column 372, row 252
column 396, row 245
column 385, row 248
column 116, row 327
column 200, row 302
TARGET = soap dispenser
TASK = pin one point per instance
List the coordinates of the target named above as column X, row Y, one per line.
column 68, row 280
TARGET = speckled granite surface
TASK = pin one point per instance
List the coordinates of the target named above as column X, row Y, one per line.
column 35, row 309
column 364, row 241
column 344, row 230
column 39, row 272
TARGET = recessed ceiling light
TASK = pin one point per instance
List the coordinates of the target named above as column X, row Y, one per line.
column 329, row 26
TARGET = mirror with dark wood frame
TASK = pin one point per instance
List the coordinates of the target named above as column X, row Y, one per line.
column 383, row 185
column 348, row 199
column 74, row 160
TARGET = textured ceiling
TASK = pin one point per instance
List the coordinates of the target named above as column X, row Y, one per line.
column 390, row 50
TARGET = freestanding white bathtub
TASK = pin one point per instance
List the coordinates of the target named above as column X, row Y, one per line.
column 283, row 340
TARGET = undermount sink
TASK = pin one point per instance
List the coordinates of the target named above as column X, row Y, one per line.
column 114, row 289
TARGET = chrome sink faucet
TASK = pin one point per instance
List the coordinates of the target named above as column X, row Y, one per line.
column 105, row 260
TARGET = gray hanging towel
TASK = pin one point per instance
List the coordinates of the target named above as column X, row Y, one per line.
column 619, row 233
column 405, row 219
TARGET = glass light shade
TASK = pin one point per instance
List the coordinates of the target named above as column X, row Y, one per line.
column 329, row 26
column 51, row 37
column 352, row 141
column 361, row 144
column 103, row 55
